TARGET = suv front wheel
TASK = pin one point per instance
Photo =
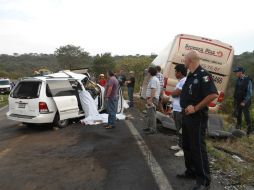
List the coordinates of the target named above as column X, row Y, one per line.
column 60, row 123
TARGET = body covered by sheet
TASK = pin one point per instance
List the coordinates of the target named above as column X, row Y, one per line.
column 92, row 116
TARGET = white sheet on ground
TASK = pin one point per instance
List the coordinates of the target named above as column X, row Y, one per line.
column 101, row 118
column 125, row 104
column 92, row 116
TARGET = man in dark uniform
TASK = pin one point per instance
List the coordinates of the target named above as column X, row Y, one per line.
column 197, row 93
column 242, row 98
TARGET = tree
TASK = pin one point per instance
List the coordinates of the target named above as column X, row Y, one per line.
column 102, row 63
column 134, row 63
column 72, row 57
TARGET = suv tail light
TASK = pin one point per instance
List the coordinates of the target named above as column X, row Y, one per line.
column 43, row 108
column 165, row 82
column 221, row 97
column 168, row 93
column 212, row 104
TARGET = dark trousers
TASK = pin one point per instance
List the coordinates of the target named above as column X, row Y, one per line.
column 130, row 95
column 194, row 147
column 178, row 123
column 246, row 112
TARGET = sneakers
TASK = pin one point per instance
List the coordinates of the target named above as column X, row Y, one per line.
column 180, row 153
column 177, row 147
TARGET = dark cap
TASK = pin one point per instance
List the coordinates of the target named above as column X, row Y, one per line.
column 238, row 69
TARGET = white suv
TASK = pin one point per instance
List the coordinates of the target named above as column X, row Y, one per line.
column 5, row 86
column 53, row 98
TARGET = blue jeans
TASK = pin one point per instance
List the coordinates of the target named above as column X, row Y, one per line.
column 130, row 95
column 112, row 105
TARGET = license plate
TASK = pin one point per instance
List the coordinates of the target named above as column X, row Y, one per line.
column 22, row 105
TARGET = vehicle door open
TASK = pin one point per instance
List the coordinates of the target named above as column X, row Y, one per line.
column 96, row 92
column 120, row 101
column 65, row 98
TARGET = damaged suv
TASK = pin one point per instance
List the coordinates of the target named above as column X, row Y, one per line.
column 54, row 99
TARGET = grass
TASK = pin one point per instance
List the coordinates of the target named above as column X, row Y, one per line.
column 242, row 146
column 244, row 171
column 3, row 100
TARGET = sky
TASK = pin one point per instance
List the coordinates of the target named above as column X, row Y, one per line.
column 121, row 27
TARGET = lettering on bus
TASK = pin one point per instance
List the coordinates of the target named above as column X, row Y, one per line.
column 204, row 51
column 210, row 61
column 205, row 60
column 211, row 68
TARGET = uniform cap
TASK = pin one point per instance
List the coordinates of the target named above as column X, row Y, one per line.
column 238, row 69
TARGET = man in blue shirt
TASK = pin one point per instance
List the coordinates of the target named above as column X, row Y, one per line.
column 242, row 98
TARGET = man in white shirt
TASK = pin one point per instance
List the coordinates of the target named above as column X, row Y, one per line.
column 160, row 76
column 180, row 74
column 152, row 96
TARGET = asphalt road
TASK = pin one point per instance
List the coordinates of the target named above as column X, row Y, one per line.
column 89, row 157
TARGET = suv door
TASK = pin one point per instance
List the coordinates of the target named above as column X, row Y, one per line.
column 120, row 101
column 65, row 98
column 96, row 92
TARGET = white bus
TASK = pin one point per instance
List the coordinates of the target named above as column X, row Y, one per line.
column 215, row 56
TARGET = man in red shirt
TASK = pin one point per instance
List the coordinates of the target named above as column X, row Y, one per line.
column 102, row 80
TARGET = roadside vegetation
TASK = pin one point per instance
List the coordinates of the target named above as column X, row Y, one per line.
column 3, row 100
column 72, row 57
column 233, row 159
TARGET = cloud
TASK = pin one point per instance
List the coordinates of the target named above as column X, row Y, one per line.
column 119, row 26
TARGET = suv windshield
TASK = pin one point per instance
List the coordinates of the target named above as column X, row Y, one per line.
column 27, row 90
column 4, row 82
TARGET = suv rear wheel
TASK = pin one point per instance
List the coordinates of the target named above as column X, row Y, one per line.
column 60, row 123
